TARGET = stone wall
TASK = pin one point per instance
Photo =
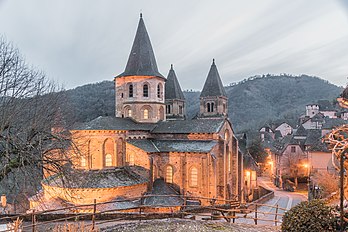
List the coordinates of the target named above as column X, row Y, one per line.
column 87, row 195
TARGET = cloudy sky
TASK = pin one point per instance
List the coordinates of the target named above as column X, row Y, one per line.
column 83, row 41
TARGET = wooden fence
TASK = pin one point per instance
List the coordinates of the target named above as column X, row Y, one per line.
column 230, row 212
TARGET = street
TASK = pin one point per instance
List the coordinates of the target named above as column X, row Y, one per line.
column 283, row 199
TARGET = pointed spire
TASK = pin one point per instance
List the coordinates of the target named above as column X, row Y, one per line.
column 213, row 85
column 172, row 87
column 141, row 61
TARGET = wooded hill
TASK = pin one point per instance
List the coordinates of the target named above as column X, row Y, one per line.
column 252, row 102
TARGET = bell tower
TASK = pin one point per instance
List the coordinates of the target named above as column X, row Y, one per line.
column 213, row 99
column 139, row 90
column 175, row 100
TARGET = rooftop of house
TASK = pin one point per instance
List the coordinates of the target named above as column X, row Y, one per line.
column 330, row 123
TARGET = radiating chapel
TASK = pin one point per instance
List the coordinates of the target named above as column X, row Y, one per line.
column 150, row 146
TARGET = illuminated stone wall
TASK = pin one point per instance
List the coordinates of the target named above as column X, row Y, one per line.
column 87, row 195
column 154, row 104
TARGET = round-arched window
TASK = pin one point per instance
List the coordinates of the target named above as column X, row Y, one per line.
column 194, row 177
column 169, row 174
column 146, row 90
column 108, row 160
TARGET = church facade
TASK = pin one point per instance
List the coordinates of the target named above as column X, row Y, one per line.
column 150, row 145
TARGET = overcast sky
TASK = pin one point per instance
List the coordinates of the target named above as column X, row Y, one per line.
column 83, row 41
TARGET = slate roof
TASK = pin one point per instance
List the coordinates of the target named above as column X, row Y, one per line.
column 313, row 137
column 173, row 145
column 213, row 85
column 319, row 117
column 144, row 144
column 108, row 178
column 190, row 126
column 331, row 123
column 141, row 61
column 277, row 134
column 314, row 141
column 173, row 127
column 301, row 131
column 161, row 188
column 249, row 162
column 172, row 88
column 113, row 123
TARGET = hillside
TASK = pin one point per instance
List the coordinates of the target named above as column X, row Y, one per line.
column 252, row 102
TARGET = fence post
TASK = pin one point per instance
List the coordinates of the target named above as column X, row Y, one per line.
column 275, row 217
column 140, row 207
column 93, row 216
column 255, row 214
column 33, row 221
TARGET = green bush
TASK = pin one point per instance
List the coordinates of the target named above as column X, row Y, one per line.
column 309, row 216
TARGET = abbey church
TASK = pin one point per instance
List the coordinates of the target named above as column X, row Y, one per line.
column 150, row 146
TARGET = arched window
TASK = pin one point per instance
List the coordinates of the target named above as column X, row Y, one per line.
column 224, row 107
column 229, row 162
column 131, row 159
column 130, row 90
column 227, row 135
column 146, row 114
column 146, row 90
column 83, row 162
column 128, row 111
column 159, row 90
column 168, row 109
column 212, row 107
column 169, row 174
column 180, row 110
column 194, row 177
column 161, row 113
column 108, row 160
column 208, row 107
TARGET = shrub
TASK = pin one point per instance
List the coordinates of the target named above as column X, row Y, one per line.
column 309, row 216
column 327, row 182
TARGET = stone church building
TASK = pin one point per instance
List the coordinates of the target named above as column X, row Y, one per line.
column 151, row 146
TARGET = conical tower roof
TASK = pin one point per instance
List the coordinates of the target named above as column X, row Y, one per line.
column 141, row 61
column 213, row 85
column 173, row 89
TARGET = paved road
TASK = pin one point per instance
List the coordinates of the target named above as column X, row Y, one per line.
column 283, row 199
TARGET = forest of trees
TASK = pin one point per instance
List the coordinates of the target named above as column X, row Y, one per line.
column 251, row 102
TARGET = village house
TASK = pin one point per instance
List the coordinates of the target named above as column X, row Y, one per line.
column 151, row 146
column 303, row 152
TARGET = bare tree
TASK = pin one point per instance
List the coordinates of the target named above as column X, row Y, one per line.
column 30, row 106
column 292, row 166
